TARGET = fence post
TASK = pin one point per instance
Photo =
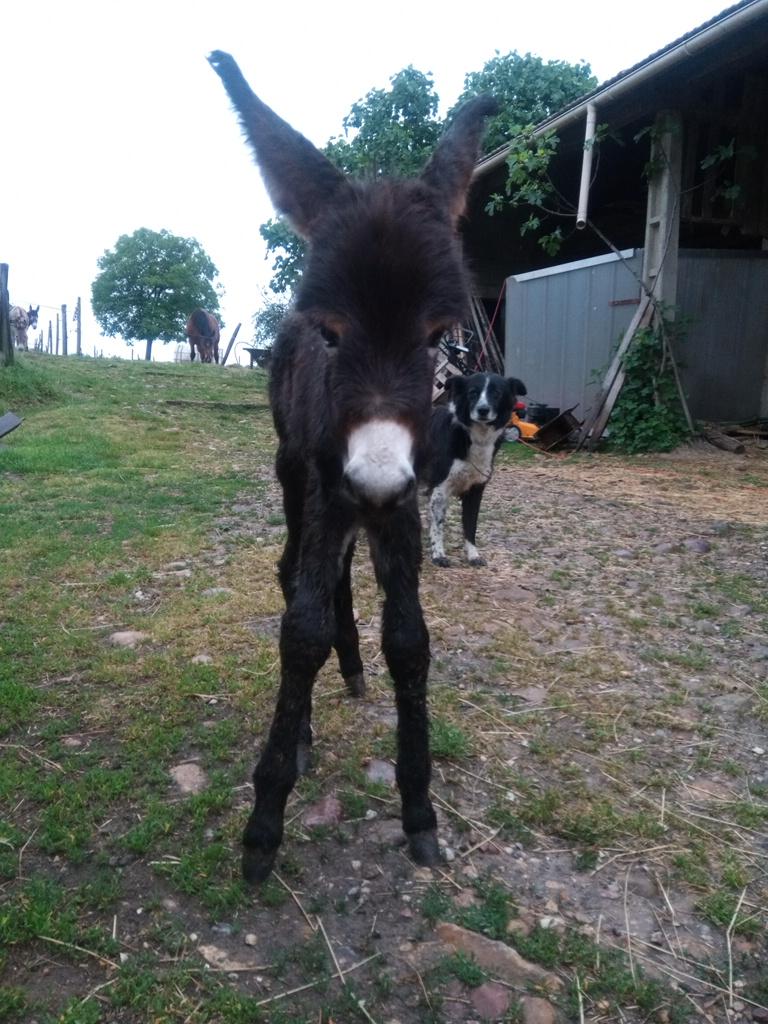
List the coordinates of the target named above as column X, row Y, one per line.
column 6, row 345
column 79, row 328
column 64, row 329
column 50, row 338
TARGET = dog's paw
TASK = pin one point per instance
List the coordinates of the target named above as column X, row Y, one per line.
column 442, row 561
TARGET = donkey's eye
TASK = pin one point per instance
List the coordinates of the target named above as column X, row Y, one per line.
column 330, row 337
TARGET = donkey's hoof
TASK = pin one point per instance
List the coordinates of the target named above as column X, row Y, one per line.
column 478, row 561
column 442, row 561
column 257, row 864
column 355, row 685
column 424, row 849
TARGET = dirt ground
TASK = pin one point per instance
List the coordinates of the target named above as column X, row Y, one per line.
column 601, row 691
column 615, row 632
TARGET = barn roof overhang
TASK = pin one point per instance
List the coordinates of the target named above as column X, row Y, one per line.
column 683, row 77
column 644, row 87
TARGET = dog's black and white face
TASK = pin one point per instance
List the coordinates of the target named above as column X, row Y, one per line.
column 485, row 398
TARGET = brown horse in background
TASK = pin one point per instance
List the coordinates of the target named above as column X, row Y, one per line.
column 203, row 332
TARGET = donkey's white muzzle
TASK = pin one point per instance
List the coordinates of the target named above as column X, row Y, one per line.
column 379, row 465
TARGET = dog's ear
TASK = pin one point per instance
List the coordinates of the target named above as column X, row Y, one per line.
column 456, row 385
column 518, row 388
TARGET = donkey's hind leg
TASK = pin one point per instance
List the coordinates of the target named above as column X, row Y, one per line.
column 347, row 640
column 405, row 642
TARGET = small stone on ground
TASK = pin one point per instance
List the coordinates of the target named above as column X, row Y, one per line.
column 128, row 638
column 327, row 811
column 189, row 777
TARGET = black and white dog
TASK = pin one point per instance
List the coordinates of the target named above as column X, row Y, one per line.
column 464, row 438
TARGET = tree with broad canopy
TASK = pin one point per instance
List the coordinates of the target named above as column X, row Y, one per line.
column 148, row 285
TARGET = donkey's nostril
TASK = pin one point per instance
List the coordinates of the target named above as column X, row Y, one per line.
column 407, row 491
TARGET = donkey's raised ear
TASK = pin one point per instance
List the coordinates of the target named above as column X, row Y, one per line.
column 300, row 180
column 450, row 169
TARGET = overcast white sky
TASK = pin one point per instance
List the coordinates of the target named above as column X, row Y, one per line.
column 112, row 119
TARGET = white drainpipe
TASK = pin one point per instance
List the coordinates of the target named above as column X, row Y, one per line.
column 586, row 166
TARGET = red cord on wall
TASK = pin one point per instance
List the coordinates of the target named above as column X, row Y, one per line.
column 481, row 358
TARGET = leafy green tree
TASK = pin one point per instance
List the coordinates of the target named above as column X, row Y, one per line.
column 390, row 131
column 528, row 88
column 149, row 284
column 288, row 252
column 267, row 320
column 387, row 132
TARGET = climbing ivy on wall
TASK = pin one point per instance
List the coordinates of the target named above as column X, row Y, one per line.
column 648, row 415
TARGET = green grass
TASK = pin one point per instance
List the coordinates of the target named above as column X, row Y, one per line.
column 447, row 739
column 44, row 909
column 13, row 1003
column 24, row 385
column 719, row 907
column 115, row 484
column 464, row 968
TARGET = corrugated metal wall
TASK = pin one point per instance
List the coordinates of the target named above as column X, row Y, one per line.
column 563, row 323
column 725, row 355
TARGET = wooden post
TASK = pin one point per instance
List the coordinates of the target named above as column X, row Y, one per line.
column 231, row 343
column 64, row 351
column 79, row 328
column 662, row 221
column 58, row 328
column 50, row 338
column 6, row 344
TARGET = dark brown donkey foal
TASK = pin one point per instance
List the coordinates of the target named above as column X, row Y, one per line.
column 350, row 392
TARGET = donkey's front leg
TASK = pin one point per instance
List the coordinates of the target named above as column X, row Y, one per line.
column 405, row 642
column 306, row 635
